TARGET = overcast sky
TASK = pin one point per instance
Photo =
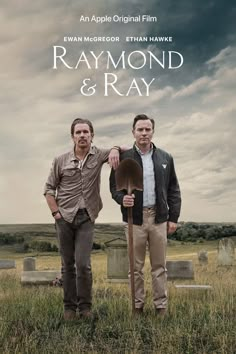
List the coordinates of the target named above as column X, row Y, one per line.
column 194, row 106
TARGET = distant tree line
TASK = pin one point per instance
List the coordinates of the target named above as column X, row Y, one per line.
column 42, row 246
column 187, row 232
column 195, row 232
column 22, row 246
column 10, row 239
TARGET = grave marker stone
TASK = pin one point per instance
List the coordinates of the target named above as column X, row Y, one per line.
column 179, row 270
column 29, row 264
column 194, row 287
column 117, row 261
column 203, row 257
column 226, row 252
column 39, row 277
column 7, row 264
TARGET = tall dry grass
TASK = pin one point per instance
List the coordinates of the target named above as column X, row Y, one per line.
column 197, row 321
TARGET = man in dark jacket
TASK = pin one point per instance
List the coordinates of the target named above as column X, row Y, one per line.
column 155, row 210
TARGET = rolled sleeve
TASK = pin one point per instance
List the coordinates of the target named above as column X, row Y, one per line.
column 53, row 179
column 104, row 154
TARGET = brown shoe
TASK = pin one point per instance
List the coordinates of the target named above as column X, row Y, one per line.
column 138, row 311
column 69, row 315
column 86, row 314
column 161, row 312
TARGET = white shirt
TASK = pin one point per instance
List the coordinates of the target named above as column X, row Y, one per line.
column 149, row 196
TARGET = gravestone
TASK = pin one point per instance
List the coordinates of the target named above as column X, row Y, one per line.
column 183, row 270
column 203, row 257
column 179, row 270
column 29, row 264
column 19, row 248
column 44, row 277
column 194, row 287
column 117, row 261
column 7, row 264
column 225, row 252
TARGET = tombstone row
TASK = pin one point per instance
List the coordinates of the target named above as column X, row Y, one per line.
column 225, row 256
column 117, row 264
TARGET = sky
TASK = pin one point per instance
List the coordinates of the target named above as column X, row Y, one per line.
column 193, row 106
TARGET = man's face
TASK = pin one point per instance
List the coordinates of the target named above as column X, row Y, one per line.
column 82, row 136
column 143, row 133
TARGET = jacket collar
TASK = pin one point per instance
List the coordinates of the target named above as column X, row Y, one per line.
column 135, row 147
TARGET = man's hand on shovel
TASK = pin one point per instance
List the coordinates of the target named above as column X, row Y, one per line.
column 128, row 201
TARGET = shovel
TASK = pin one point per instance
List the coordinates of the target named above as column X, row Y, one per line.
column 129, row 176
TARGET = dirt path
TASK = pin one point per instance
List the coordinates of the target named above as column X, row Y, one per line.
column 188, row 254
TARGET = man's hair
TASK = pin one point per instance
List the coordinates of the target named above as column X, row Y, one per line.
column 81, row 121
column 143, row 117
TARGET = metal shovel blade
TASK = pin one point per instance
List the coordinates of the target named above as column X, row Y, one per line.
column 129, row 176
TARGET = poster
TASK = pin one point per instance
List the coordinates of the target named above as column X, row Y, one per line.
column 46, row 54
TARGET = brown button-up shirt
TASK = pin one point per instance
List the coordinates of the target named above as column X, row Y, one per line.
column 75, row 186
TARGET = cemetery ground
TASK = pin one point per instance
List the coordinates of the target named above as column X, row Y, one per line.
column 198, row 321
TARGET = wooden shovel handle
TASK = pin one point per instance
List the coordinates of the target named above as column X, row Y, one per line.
column 131, row 256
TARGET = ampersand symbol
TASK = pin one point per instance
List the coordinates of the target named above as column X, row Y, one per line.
column 90, row 90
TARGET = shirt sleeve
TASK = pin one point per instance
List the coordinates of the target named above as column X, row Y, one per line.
column 104, row 154
column 53, row 179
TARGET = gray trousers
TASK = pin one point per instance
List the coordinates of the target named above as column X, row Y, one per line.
column 75, row 244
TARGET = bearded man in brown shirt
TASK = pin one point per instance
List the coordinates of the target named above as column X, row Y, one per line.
column 72, row 192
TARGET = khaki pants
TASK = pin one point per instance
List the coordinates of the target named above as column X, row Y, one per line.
column 155, row 235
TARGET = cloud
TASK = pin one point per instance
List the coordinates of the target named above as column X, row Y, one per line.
column 194, row 107
column 196, row 86
column 204, row 141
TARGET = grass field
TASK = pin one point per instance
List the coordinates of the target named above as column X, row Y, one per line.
column 197, row 321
